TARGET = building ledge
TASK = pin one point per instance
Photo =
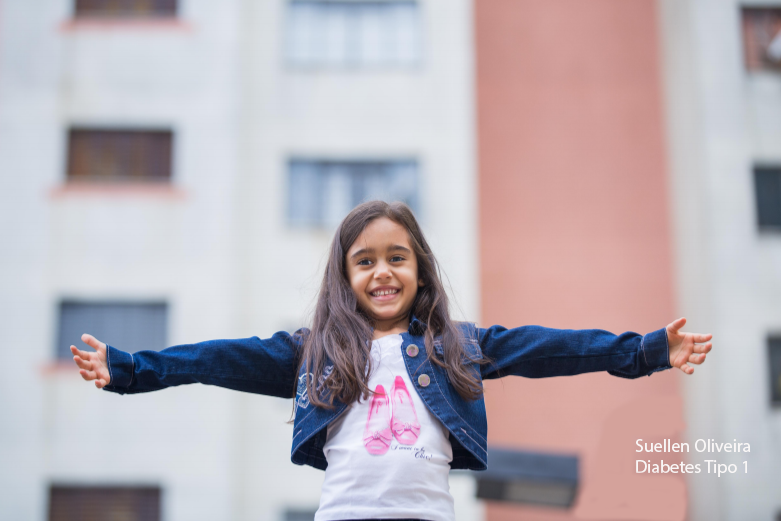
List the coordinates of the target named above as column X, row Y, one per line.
column 125, row 24
column 79, row 189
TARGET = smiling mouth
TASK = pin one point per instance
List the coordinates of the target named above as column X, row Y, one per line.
column 384, row 292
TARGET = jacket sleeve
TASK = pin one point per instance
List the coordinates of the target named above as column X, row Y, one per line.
column 247, row 364
column 538, row 352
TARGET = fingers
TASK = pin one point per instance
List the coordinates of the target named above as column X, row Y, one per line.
column 702, row 348
column 100, row 384
column 93, row 342
column 88, row 375
column 696, row 359
column 687, row 369
column 676, row 325
column 81, row 354
column 83, row 364
column 700, row 338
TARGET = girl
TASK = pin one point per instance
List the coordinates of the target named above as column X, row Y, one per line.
column 388, row 389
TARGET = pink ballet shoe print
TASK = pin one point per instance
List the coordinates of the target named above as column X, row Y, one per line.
column 377, row 435
column 405, row 421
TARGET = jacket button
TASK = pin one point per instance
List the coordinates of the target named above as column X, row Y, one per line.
column 412, row 350
column 424, row 380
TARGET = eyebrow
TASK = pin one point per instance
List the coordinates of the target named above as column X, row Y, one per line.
column 395, row 247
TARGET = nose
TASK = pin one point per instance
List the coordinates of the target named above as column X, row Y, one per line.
column 382, row 271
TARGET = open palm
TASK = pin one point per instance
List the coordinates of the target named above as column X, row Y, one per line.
column 686, row 348
column 92, row 364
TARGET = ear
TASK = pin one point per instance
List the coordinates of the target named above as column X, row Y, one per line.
column 420, row 283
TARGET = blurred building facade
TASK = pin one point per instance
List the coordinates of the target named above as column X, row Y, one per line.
column 179, row 166
column 273, row 120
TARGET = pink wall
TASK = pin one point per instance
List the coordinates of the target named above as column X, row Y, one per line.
column 574, row 233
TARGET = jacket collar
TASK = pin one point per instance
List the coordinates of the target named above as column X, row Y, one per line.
column 416, row 327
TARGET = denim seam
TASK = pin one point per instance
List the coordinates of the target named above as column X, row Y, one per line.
column 108, row 360
column 316, row 430
column 451, row 407
column 667, row 343
column 473, row 440
column 642, row 348
column 232, row 377
column 132, row 369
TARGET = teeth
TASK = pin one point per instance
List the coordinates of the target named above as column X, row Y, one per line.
column 385, row 292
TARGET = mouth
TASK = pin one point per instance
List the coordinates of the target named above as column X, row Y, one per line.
column 384, row 293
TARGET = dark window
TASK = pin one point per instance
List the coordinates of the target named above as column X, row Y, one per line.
column 69, row 503
column 321, row 193
column 125, row 8
column 767, row 182
column 353, row 33
column 119, row 155
column 130, row 326
column 762, row 38
column 299, row 515
column 774, row 344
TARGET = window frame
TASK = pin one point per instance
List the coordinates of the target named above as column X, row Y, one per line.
column 295, row 66
column 78, row 12
column 73, row 131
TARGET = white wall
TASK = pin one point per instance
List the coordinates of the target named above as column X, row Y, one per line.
column 722, row 120
column 215, row 245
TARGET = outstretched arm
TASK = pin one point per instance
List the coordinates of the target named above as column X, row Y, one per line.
column 539, row 352
column 249, row 364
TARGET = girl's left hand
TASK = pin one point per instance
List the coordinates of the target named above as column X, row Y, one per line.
column 686, row 347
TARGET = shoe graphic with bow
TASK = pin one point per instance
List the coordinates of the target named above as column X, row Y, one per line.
column 377, row 435
column 404, row 422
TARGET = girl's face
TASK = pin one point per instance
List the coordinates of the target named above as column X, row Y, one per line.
column 383, row 273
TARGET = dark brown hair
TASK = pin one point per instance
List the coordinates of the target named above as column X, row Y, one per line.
column 341, row 333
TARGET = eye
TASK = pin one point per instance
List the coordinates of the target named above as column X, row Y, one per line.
column 397, row 258
column 364, row 262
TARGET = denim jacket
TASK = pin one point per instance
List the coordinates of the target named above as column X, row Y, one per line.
column 269, row 367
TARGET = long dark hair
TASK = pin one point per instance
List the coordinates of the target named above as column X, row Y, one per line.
column 341, row 333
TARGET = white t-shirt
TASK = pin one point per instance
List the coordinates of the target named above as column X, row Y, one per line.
column 388, row 456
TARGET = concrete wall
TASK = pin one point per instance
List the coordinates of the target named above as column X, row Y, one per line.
column 214, row 244
column 721, row 121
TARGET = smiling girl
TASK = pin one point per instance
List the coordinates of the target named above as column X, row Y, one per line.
column 388, row 387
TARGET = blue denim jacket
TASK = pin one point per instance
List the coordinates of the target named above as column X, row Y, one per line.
column 269, row 367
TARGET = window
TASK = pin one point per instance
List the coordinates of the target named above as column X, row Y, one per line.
column 321, row 193
column 71, row 503
column 767, row 182
column 762, row 38
column 119, row 155
column 353, row 33
column 298, row 515
column 125, row 8
column 130, row 326
column 774, row 345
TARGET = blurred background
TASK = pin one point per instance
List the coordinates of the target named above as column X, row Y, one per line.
column 172, row 171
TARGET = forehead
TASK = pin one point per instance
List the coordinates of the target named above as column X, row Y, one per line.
column 381, row 233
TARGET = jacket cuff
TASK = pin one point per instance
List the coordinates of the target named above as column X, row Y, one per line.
column 656, row 351
column 120, row 368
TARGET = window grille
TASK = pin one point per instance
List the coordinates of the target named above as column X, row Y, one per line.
column 353, row 33
column 119, row 155
column 74, row 503
column 321, row 193
column 130, row 326
column 762, row 38
column 125, row 8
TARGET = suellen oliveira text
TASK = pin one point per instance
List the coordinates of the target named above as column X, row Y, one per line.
column 713, row 466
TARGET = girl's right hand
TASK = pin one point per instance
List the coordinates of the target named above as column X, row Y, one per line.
column 92, row 364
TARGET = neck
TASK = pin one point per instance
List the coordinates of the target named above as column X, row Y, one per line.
column 390, row 327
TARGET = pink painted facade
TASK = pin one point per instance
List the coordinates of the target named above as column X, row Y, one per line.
column 574, row 233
